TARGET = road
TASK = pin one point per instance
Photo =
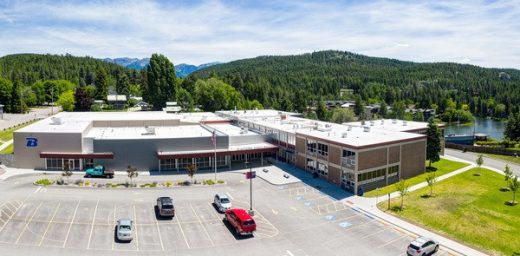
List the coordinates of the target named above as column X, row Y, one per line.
column 490, row 162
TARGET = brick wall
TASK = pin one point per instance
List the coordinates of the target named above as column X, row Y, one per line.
column 394, row 155
column 334, row 155
column 334, row 175
column 413, row 159
column 372, row 159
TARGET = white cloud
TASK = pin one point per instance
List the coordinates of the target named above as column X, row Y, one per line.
column 482, row 33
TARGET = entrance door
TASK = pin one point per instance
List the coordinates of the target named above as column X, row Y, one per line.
column 74, row 164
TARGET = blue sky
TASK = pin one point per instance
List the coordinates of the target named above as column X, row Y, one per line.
column 484, row 33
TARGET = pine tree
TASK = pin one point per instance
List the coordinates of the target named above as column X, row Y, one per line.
column 17, row 104
column 161, row 81
column 82, row 101
column 122, row 85
column 433, row 147
column 101, row 83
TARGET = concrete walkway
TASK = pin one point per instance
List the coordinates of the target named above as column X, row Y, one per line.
column 369, row 206
column 6, row 144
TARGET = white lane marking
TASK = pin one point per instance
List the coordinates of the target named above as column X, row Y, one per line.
column 375, row 233
column 136, row 233
column 113, row 224
column 229, row 195
column 92, row 226
column 50, row 222
column 275, row 212
column 159, row 231
column 183, row 235
column 27, row 223
column 71, row 222
column 391, row 241
column 37, row 189
column 289, row 252
column 205, row 230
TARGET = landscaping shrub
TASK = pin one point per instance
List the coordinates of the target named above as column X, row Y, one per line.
column 87, row 183
column 44, row 182
column 60, row 182
column 220, row 181
column 209, row 182
column 168, row 184
column 186, row 183
column 78, row 182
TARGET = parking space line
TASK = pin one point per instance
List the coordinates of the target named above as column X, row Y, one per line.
column 205, row 230
column 92, row 226
column 70, row 227
column 11, row 216
column 8, row 206
column 391, row 241
column 229, row 195
column 49, row 225
column 160, row 236
column 27, row 223
column 136, row 231
column 183, row 235
column 113, row 224
column 375, row 233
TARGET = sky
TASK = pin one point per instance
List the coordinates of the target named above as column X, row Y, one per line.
column 483, row 33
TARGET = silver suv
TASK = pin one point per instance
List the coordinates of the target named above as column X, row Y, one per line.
column 222, row 202
column 422, row 246
column 165, row 207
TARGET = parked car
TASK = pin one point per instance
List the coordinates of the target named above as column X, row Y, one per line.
column 124, row 230
column 99, row 171
column 222, row 202
column 422, row 246
column 243, row 223
column 165, row 207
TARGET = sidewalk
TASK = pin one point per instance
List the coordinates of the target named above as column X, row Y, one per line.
column 6, row 144
column 369, row 206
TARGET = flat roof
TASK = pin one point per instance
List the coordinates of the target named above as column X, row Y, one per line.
column 77, row 122
column 256, row 113
column 358, row 136
column 392, row 125
column 162, row 132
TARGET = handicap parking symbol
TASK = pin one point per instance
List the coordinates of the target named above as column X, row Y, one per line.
column 299, row 198
column 330, row 217
column 345, row 224
column 307, row 203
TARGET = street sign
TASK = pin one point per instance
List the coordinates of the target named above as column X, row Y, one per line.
column 251, row 175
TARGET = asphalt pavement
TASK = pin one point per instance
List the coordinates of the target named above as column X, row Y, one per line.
column 488, row 162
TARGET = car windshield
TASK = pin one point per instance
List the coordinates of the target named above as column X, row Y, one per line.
column 125, row 228
column 168, row 206
column 224, row 200
column 249, row 222
column 415, row 247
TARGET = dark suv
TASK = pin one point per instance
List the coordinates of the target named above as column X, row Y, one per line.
column 165, row 207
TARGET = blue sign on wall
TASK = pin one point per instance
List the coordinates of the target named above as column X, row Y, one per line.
column 31, row 142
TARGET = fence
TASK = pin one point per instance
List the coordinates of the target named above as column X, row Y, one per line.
column 481, row 149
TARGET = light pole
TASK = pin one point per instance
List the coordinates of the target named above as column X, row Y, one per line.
column 250, row 176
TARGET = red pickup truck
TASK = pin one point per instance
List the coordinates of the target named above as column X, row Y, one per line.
column 243, row 223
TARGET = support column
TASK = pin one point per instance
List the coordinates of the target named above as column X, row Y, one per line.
column 262, row 159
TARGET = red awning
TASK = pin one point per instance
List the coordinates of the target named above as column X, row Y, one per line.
column 69, row 155
column 211, row 153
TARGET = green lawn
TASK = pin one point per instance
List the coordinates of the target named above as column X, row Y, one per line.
column 512, row 159
column 467, row 208
column 8, row 134
column 443, row 166
column 8, row 150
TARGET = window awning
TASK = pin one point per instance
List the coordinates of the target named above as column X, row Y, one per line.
column 79, row 155
column 236, row 150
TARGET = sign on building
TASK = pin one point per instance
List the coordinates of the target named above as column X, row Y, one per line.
column 31, row 142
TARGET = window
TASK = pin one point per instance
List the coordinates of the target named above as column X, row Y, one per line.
column 323, row 169
column 323, row 149
column 372, row 176
column 203, row 162
column 221, row 161
column 311, row 146
column 167, row 164
column 392, row 171
column 183, row 163
column 54, row 164
column 311, row 164
column 348, row 153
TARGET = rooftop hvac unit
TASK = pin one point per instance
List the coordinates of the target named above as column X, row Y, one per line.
column 349, row 128
column 372, row 123
column 55, row 120
column 394, row 121
column 344, row 135
column 404, row 123
column 149, row 131
column 382, row 121
column 366, row 128
column 243, row 130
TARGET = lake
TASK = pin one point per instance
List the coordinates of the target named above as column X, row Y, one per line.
column 493, row 128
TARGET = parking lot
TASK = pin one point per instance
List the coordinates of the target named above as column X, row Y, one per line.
column 292, row 220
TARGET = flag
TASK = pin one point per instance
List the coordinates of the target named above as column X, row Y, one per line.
column 214, row 138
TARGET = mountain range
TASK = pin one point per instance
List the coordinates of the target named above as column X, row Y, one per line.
column 181, row 70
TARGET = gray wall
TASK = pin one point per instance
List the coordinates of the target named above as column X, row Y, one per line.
column 142, row 153
column 29, row 157
column 247, row 139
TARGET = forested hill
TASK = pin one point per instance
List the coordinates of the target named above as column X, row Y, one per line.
column 274, row 79
column 33, row 67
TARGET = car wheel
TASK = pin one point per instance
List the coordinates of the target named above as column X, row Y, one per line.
column 89, row 176
column 236, row 230
column 436, row 248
